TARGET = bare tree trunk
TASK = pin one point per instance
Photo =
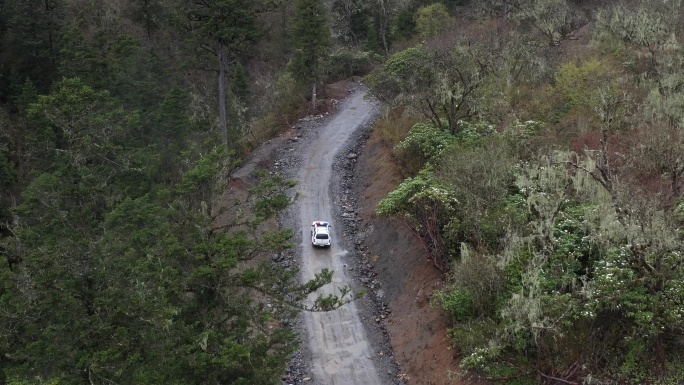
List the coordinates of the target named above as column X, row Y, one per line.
column 383, row 26
column 222, row 96
column 503, row 28
column 313, row 99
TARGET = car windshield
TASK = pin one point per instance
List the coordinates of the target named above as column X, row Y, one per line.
column 321, row 236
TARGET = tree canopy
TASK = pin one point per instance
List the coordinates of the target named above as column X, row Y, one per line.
column 124, row 256
column 540, row 141
column 534, row 183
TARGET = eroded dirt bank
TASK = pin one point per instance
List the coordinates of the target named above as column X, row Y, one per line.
column 417, row 330
column 393, row 266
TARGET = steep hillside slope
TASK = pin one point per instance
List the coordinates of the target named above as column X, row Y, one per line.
column 417, row 330
column 395, row 270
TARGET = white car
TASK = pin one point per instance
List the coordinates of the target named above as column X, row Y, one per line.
column 320, row 234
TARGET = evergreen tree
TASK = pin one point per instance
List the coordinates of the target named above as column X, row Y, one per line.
column 240, row 83
column 119, row 277
column 148, row 13
column 406, row 23
column 222, row 28
column 239, row 106
column 350, row 20
column 169, row 134
column 311, row 40
column 32, row 33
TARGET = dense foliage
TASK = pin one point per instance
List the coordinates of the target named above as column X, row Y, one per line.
column 545, row 180
column 559, row 227
column 122, row 257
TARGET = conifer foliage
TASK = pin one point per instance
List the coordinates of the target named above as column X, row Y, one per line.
column 311, row 41
column 113, row 265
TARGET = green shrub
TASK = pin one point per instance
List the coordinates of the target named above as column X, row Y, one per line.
column 400, row 200
column 608, row 44
column 432, row 19
column 674, row 370
column 507, row 371
column 479, row 277
column 523, row 130
column 456, row 302
column 632, row 367
column 480, row 177
column 472, row 334
column 472, row 133
column 481, row 358
column 424, row 143
column 577, row 84
column 7, row 171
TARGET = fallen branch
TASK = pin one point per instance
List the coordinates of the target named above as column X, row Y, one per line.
column 559, row 379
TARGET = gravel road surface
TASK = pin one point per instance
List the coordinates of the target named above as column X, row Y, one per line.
column 339, row 348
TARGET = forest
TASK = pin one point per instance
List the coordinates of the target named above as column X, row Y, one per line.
column 540, row 143
column 120, row 123
column 543, row 177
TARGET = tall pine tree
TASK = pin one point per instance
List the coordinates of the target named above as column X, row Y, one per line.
column 223, row 28
column 31, row 38
column 311, row 40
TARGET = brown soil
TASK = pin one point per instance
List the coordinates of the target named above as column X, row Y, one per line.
column 337, row 91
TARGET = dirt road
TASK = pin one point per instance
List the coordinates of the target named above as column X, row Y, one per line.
column 339, row 346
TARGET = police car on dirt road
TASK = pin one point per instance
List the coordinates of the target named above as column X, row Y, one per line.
column 320, row 234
